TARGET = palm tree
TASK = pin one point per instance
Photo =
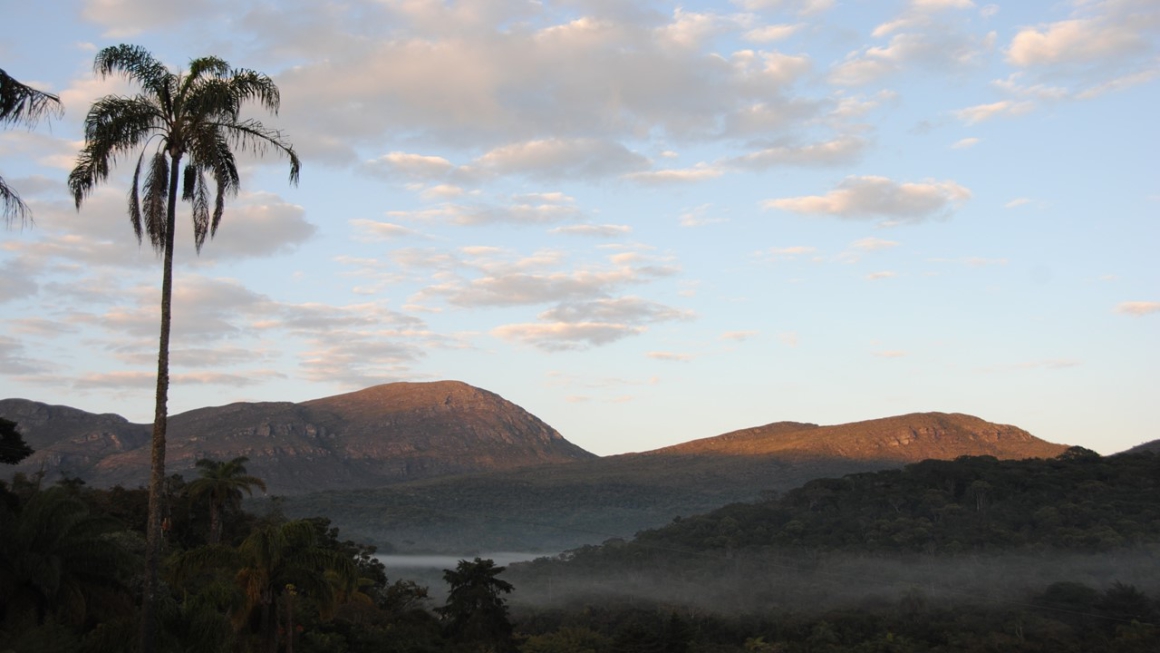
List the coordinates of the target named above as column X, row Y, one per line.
column 223, row 484
column 476, row 614
column 59, row 561
column 20, row 104
column 274, row 564
column 178, row 115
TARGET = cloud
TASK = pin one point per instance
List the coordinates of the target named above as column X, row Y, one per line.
column 870, row 197
column 261, row 225
column 1077, row 41
column 669, row 356
column 739, row 336
column 565, row 336
column 14, row 362
column 1017, row 202
column 768, row 33
column 699, row 172
column 631, row 310
column 788, row 338
column 873, row 244
column 596, row 230
column 884, row 274
column 840, row 151
column 125, row 18
column 373, row 230
column 1138, row 309
column 492, row 279
column 557, row 158
column 964, row 143
column 934, row 46
column 404, row 165
column 698, row 216
column 980, row 112
column 890, row 353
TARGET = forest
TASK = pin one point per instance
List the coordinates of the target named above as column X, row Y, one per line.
column 974, row 554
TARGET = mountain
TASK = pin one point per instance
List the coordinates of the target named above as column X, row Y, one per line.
column 561, row 507
column 905, row 438
column 380, row 435
column 1152, row 445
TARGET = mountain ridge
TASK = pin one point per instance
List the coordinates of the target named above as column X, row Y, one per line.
column 366, row 438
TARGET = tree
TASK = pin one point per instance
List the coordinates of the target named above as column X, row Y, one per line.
column 192, row 114
column 13, row 449
column 57, row 561
column 20, row 104
column 222, row 484
column 476, row 615
column 272, row 567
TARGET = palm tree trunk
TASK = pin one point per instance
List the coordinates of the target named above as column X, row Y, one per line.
column 153, row 532
column 215, row 523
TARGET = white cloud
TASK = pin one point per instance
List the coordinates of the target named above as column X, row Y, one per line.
column 873, row 244
column 739, row 336
column 1076, row 41
column 964, row 143
column 791, row 252
column 699, row 216
column 557, row 158
column 1017, row 202
column 700, row 172
column 1138, row 309
column 884, row 274
column 981, row 112
column 860, row 197
column 890, row 353
column 769, row 33
column 596, row 230
column 563, row 336
column 669, row 356
column 840, row 151
column 372, row 230
column 406, row 165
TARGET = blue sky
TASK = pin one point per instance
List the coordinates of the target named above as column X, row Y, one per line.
column 644, row 222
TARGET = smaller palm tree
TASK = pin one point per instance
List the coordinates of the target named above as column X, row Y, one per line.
column 274, row 564
column 59, row 561
column 21, row 104
column 222, row 484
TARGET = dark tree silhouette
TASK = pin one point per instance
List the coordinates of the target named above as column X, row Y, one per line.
column 193, row 115
column 222, row 485
column 13, row 449
column 21, row 105
column 476, row 614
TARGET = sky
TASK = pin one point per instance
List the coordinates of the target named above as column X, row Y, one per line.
column 643, row 222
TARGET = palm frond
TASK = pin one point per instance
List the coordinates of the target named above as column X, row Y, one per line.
column 156, row 199
column 254, row 137
column 134, row 198
column 138, row 65
column 113, row 127
column 22, row 104
column 250, row 85
column 11, row 205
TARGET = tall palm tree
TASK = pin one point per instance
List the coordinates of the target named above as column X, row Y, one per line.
column 222, row 484
column 192, row 115
column 21, row 105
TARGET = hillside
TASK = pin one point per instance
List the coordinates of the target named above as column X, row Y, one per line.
column 561, row 507
column 377, row 436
